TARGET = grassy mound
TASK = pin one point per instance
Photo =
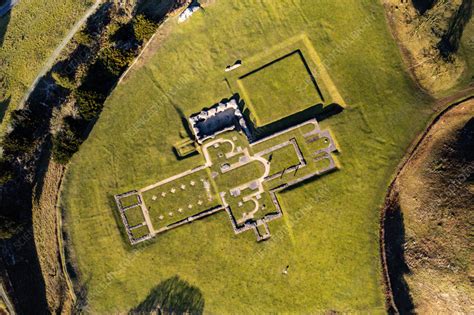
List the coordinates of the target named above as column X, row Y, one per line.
column 430, row 243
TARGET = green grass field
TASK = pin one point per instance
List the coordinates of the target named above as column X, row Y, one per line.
column 282, row 159
column 179, row 199
column 129, row 201
column 28, row 36
column 140, row 231
column 134, row 216
column 329, row 232
column 279, row 89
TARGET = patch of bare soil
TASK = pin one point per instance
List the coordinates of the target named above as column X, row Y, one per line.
column 45, row 223
column 429, row 33
column 429, row 220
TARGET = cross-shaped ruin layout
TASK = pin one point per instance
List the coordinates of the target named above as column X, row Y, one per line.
column 240, row 176
column 254, row 145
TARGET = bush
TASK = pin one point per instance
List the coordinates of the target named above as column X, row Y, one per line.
column 89, row 104
column 116, row 60
column 143, row 28
column 98, row 79
column 16, row 144
column 4, row 87
column 67, row 141
column 124, row 34
column 83, row 38
column 63, row 81
column 8, row 228
column 24, row 118
column 6, row 171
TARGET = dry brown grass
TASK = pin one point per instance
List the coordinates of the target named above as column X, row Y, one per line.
column 418, row 36
column 436, row 199
column 3, row 307
column 45, row 223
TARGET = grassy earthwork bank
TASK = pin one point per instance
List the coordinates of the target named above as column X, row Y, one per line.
column 467, row 51
column 329, row 233
column 28, row 36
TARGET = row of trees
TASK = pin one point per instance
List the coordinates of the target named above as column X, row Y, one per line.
column 98, row 56
column 90, row 91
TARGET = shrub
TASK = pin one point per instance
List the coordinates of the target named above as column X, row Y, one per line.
column 98, row 79
column 6, row 171
column 89, row 104
column 143, row 28
column 124, row 34
column 83, row 38
column 116, row 60
column 4, row 87
column 16, row 144
column 63, row 81
column 67, row 141
column 24, row 118
column 8, row 227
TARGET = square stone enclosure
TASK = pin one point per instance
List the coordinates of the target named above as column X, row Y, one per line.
column 280, row 88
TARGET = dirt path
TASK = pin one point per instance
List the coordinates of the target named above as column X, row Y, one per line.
column 47, row 236
column 50, row 62
column 446, row 104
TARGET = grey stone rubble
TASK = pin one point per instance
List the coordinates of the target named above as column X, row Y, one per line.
column 216, row 120
column 186, row 14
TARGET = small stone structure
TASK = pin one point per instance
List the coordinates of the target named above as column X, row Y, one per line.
column 122, row 210
column 216, row 120
column 186, row 14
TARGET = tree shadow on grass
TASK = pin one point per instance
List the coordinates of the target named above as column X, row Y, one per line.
column 451, row 40
column 423, row 5
column 4, row 20
column 3, row 108
column 4, row 99
column 172, row 296
column 396, row 264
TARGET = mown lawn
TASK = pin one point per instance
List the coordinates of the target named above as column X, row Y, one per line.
column 279, row 89
column 329, row 233
column 282, row 159
column 134, row 216
column 170, row 203
column 28, row 36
